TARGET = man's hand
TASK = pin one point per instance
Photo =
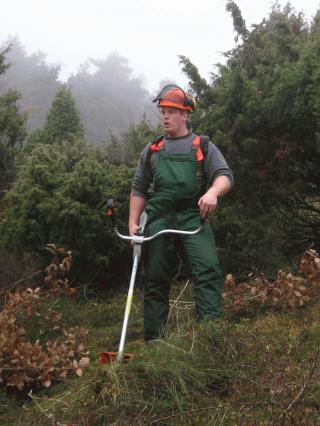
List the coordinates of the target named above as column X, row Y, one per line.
column 208, row 202
column 133, row 229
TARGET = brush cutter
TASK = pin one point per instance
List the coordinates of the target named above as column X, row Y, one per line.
column 137, row 241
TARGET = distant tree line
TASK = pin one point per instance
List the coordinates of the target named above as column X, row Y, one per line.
column 109, row 99
column 261, row 108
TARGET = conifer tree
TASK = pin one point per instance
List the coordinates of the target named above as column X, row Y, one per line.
column 63, row 120
column 262, row 110
column 62, row 125
column 60, row 188
column 12, row 130
column 239, row 23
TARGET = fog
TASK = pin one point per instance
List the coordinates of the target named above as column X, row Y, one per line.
column 109, row 99
column 149, row 33
column 114, row 55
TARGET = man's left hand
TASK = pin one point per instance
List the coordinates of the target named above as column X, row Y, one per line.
column 208, row 202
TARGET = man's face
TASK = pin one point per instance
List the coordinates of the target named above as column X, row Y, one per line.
column 174, row 121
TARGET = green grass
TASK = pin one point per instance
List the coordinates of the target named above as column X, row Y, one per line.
column 258, row 369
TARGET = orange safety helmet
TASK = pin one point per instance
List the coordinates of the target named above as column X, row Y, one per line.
column 173, row 96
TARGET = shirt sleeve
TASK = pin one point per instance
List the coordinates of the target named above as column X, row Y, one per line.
column 142, row 179
column 215, row 165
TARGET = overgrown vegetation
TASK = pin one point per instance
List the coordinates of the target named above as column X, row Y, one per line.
column 36, row 347
column 260, row 363
column 261, row 109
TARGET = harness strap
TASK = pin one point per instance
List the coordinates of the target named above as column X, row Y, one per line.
column 156, row 146
column 200, row 144
column 196, row 143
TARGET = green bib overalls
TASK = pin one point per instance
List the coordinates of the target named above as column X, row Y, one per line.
column 175, row 205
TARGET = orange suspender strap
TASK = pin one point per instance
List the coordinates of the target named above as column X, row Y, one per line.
column 197, row 143
column 155, row 147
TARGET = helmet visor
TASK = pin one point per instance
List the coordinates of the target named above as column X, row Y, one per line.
column 173, row 96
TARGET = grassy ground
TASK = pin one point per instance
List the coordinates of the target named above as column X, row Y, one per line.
column 256, row 367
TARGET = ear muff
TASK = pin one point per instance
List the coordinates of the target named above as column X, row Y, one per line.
column 189, row 101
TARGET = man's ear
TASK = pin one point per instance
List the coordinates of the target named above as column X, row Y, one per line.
column 185, row 115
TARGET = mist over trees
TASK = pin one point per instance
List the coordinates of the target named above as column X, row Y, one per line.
column 109, row 99
column 33, row 78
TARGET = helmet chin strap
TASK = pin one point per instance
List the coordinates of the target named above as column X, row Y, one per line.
column 189, row 123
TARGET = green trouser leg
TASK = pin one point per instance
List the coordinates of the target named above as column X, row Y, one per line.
column 156, row 292
column 202, row 257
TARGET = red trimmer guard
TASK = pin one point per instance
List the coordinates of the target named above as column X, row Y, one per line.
column 110, row 357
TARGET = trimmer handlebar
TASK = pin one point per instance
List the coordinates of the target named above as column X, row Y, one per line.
column 140, row 238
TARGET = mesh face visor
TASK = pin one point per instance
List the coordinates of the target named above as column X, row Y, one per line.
column 173, row 96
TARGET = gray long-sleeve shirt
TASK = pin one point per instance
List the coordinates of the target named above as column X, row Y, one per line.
column 214, row 164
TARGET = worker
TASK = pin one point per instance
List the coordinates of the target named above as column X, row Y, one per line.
column 177, row 184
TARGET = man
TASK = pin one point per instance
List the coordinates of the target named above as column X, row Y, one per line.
column 180, row 194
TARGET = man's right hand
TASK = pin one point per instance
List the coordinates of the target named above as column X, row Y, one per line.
column 133, row 229
column 137, row 205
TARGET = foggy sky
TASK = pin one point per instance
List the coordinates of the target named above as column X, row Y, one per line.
column 149, row 33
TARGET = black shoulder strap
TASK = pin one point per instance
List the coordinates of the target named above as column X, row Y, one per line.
column 204, row 141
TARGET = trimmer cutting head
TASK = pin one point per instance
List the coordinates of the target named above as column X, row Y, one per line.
column 111, row 357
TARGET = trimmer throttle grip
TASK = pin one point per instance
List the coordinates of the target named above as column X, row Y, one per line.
column 109, row 210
